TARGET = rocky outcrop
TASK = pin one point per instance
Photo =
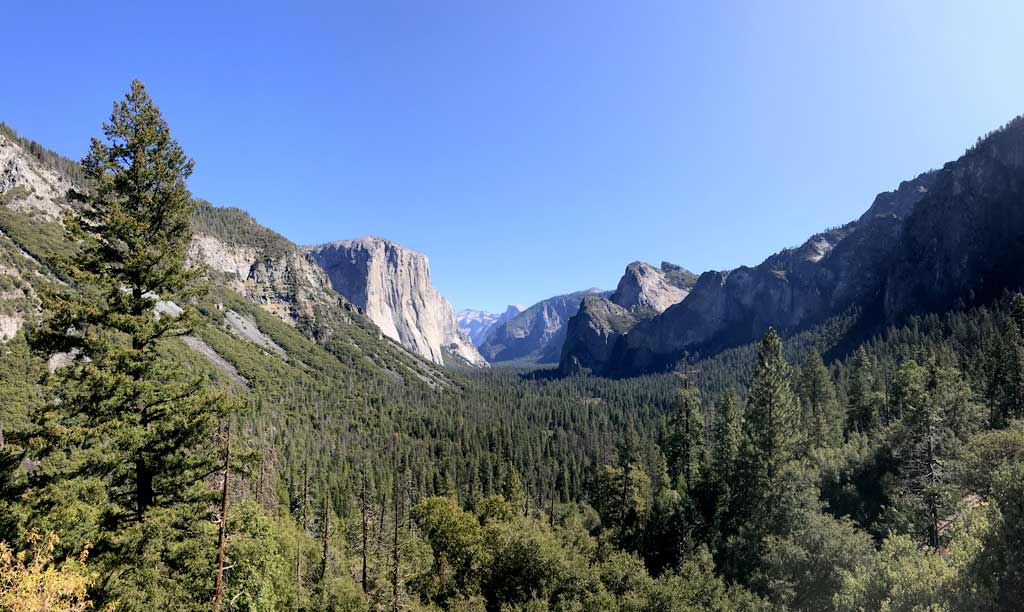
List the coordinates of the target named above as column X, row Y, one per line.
column 947, row 239
column 477, row 324
column 642, row 293
column 284, row 283
column 391, row 284
column 646, row 288
column 592, row 333
column 32, row 196
column 535, row 335
column 242, row 257
column 17, row 297
column 30, row 186
column 964, row 243
column 246, row 328
column 796, row 287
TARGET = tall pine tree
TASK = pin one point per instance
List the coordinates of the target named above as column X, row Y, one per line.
column 685, row 444
column 939, row 414
column 126, row 440
column 771, row 425
column 821, row 417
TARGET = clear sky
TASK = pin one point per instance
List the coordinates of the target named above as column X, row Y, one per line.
column 532, row 148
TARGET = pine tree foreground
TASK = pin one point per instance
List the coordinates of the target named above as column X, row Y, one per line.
column 126, row 441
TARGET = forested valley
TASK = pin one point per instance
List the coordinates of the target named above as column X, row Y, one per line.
column 801, row 472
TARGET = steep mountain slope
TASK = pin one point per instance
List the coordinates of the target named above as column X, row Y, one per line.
column 477, row 324
column 248, row 264
column 964, row 243
column 391, row 284
column 643, row 292
column 32, row 202
column 536, row 334
column 278, row 276
column 944, row 239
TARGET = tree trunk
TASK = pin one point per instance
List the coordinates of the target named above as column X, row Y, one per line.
column 933, row 513
column 365, row 510
column 394, row 548
column 143, row 487
column 305, row 495
column 327, row 527
column 223, row 535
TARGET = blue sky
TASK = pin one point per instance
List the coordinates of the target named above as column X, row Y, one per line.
column 532, row 148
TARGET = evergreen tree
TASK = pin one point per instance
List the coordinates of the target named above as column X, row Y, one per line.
column 126, row 439
column 771, row 424
column 939, row 413
column 726, row 440
column 771, row 439
column 821, row 418
column 862, row 410
column 514, row 491
column 1004, row 363
column 685, row 444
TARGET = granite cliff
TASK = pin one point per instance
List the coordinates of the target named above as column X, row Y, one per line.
column 946, row 239
column 643, row 292
column 391, row 285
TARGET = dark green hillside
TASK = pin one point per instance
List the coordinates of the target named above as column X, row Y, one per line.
column 237, row 227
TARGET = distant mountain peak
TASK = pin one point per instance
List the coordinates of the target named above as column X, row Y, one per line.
column 536, row 334
column 477, row 324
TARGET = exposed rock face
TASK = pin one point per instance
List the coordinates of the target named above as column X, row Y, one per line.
column 391, row 284
column 536, row 334
column 643, row 292
column 946, row 239
column 592, row 333
column 9, row 326
column 17, row 297
column 284, row 283
column 477, row 324
column 246, row 328
column 830, row 272
column 32, row 187
column 644, row 287
column 964, row 243
column 36, row 194
column 796, row 287
column 244, row 258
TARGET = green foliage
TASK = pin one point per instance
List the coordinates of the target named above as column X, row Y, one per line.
column 42, row 239
column 864, row 402
column 938, row 414
column 121, row 442
column 457, row 541
column 903, row 578
column 998, row 568
column 820, row 414
column 237, row 227
column 804, row 569
column 771, row 423
column 985, row 453
column 685, row 447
